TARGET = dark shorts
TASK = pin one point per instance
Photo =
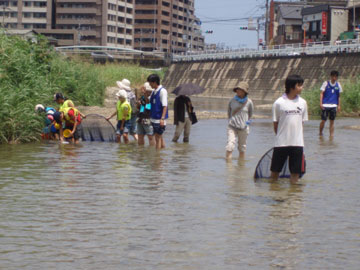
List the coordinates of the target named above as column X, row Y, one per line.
column 158, row 129
column 78, row 131
column 296, row 161
column 127, row 127
column 328, row 112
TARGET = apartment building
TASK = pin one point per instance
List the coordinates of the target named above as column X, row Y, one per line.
column 82, row 22
column 26, row 14
column 168, row 26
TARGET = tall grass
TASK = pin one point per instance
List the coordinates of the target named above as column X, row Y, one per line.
column 136, row 74
column 350, row 98
column 30, row 73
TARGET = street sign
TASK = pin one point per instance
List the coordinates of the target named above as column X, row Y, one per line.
column 305, row 26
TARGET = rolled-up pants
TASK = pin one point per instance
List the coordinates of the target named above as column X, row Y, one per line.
column 183, row 126
column 240, row 134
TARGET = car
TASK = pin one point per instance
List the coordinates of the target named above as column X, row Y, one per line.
column 102, row 57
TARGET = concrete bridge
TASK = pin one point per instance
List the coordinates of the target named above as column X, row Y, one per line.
column 266, row 76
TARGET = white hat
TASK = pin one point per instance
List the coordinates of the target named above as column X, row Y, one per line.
column 121, row 93
column 148, row 87
column 39, row 108
column 124, row 85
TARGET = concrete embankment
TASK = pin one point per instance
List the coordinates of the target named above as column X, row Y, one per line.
column 265, row 76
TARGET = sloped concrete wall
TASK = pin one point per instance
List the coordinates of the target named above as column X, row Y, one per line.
column 266, row 77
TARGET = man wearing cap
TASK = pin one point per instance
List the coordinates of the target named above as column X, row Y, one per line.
column 123, row 112
column 124, row 84
column 240, row 111
column 72, row 119
column 144, row 126
column 159, row 109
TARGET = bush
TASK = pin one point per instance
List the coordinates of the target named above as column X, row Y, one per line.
column 31, row 73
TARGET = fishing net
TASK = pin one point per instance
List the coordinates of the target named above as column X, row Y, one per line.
column 263, row 167
column 96, row 128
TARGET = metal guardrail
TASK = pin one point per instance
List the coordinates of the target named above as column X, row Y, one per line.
column 313, row 48
column 116, row 52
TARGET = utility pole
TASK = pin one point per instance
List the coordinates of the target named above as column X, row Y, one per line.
column 353, row 16
column 267, row 23
column 258, row 32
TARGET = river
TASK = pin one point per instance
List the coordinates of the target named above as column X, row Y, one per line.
column 110, row 206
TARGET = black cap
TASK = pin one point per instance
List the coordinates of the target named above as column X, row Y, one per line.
column 58, row 96
column 57, row 117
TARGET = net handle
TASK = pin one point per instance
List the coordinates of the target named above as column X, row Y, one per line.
column 101, row 116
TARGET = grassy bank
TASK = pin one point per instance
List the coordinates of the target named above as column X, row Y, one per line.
column 30, row 73
column 350, row 98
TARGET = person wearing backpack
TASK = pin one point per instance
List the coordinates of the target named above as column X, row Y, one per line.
column 124, row 84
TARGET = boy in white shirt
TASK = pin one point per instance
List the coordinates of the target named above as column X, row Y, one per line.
column 288, row 113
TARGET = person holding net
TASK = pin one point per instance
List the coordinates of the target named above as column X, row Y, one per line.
column 123, row 112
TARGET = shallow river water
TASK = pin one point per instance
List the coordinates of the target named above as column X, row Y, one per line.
column 109, row 206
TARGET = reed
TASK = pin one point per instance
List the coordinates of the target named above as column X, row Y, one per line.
column 31, row 73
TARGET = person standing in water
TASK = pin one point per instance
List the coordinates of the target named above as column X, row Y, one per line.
column 240, row 111
column 159, row 109
column 330, row 101
column 289, row 112
column 182, row 110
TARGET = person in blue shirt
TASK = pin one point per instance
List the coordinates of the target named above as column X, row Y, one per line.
column 159, row 109
column 330, row 101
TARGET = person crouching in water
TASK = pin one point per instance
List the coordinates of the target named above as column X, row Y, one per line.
column 123, row 111
column 240, row 110
column 144, row 126
column 72, row 119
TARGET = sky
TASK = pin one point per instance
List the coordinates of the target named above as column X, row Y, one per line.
column 235, row 12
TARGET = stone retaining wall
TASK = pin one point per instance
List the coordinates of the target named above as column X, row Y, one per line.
column 265, row 76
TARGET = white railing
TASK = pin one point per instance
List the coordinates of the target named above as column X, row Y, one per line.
column 311, row 48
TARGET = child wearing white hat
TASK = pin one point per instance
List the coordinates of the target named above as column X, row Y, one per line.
column 123, row 112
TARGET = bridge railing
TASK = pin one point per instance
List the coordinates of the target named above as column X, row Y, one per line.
column 311, row 48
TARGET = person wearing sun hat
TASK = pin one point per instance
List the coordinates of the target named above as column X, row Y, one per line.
column 240, row 111
column 123, row 112
column 144, row 126
column 125, row 84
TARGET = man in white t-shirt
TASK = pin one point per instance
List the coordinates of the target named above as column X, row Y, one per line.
column 288, row 113
column 330, row 101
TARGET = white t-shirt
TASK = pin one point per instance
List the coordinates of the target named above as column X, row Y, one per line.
column 323, row 87
column 290, row 115
column 163, row 99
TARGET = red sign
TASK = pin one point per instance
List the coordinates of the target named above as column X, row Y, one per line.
column 324, row 23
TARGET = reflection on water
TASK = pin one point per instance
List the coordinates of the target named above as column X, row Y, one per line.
column 110, row 206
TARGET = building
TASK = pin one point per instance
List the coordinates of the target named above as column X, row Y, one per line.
column 26, row 14
column 289, row 21
column 82, row 22
column 273, row 25
column 325, row 22
column 354, row 15
column 168, row 26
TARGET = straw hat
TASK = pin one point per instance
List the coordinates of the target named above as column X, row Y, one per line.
column 243, row 86
column 148, row 87
column 121, row 93
column 124, row 85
